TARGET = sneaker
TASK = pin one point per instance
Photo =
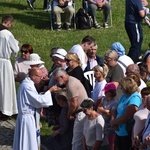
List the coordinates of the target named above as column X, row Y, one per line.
column 59, row 27
column 96, row 25
column 67, row 27
column 147, row 21
column 30, row 5
column 140, row 58
column 105, row 25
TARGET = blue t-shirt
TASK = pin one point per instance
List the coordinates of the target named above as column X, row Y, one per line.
column 132, row 11
column 134, row 99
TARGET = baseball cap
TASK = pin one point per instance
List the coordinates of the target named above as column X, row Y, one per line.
column 109, row 86
column 34, row 59
column 60, row 53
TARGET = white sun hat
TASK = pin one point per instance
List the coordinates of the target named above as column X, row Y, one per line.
column 60, row 53
column 34, row 59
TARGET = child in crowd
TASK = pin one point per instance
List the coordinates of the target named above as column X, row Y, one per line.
column 100, row 73
column 61, row 136
column 107, row 108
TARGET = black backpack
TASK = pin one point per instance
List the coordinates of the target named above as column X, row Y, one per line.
column 83, row 20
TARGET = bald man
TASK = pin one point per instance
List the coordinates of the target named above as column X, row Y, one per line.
column 134, row 68
column 29, row 100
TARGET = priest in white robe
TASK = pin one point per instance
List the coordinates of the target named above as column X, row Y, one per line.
column 25, row 136
column 8, row 47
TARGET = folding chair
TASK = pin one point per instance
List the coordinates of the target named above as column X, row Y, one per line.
column 89, row 75
column 85, row 5
column 52, row 17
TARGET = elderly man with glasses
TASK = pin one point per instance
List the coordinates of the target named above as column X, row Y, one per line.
column 29, row 100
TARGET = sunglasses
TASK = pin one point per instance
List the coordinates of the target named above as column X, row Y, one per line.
column 107, row 60
column 67, row 60
column 24, row 51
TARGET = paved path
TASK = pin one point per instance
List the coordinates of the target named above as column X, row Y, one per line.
column 6, row 134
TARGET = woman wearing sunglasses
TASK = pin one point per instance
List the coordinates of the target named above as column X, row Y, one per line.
column 20, row 69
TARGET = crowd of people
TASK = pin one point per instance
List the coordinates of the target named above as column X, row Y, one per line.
column 112, row 115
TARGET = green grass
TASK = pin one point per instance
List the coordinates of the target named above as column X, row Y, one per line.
column 33, row 27
column 45, row 130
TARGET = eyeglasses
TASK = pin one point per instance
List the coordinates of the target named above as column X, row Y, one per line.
column 41, row 77
column 67, row 60
column 108, row 60
column 24, row 51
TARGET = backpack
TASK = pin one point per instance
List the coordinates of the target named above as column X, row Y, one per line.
column 83, row 20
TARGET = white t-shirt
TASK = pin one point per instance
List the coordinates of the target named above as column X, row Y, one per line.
column 142, row 85
column 97, row 91
column 93, row 130
column 124, row 61
column 81, row 54
column 140, row 118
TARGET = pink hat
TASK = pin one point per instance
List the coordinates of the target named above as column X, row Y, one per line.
column 109, row 86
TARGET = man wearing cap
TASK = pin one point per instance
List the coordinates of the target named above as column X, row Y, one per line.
column 123, row 60
column 8, row 47
column 26, row 134
column 80, row 49
column 59, row 59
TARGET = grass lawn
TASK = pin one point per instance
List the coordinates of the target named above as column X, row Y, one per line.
column 33, row 27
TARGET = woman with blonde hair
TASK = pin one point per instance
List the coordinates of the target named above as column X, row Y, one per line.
column 74, row 69
column 128, row 105
column 100, row 73
column 74, row 66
